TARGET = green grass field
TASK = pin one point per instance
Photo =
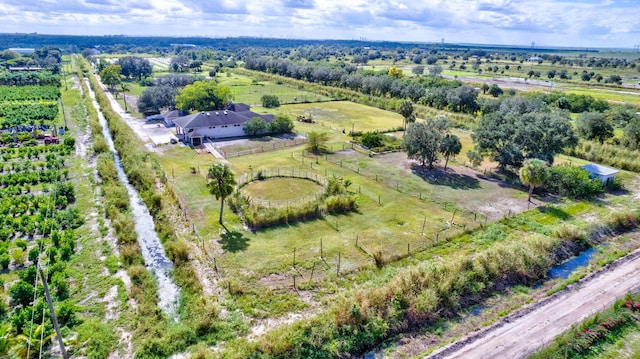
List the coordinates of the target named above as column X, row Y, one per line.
column 281, row 189
column 250, row 91
column 347, row 115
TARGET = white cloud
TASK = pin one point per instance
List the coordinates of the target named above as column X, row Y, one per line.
column 546, row 22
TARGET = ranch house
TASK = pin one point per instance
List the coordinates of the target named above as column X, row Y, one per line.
column 195, row 128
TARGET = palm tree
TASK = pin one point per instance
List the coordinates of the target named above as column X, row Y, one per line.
column 124, row 88
column 220, row 181
column 317, row 142
column 405, row 109
column 533, row 173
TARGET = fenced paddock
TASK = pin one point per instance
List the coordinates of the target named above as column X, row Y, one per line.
column 245, row 147
column 263, row 174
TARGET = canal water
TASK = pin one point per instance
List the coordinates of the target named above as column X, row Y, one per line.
column 150, row 245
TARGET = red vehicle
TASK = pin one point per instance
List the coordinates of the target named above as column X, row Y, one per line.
column 48, row 139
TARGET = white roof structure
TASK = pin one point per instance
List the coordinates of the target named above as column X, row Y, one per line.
column 599, row 170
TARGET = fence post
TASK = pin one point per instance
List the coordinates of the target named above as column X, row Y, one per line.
column 379, row 200
column 424, row 223
column 312, row 270
column 408, row 248
column 320, row 248
column 338, row 266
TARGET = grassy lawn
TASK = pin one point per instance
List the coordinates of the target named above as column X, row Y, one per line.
column 281, row 189
column 347, row 115
column 250, row 91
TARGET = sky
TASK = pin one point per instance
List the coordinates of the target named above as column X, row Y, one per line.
column 571, row 23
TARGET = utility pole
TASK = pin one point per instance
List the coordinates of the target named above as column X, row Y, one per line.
column 64, row 114
column 54, row 319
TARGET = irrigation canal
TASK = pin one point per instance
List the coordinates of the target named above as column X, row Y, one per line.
column 152, row 250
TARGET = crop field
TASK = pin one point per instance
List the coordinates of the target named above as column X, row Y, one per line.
column 38, row 218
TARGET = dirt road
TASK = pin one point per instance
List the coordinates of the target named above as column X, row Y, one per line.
column 521, row 333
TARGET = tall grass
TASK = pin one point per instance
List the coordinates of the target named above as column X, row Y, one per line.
column 608, row 154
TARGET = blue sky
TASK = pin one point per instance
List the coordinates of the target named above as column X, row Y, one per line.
column 574, row 23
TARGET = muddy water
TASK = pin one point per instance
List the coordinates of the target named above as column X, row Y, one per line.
column 152, row 250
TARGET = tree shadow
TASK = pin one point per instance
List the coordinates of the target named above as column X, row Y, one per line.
column 555, row 212
column 448, row 177
column 233, row 241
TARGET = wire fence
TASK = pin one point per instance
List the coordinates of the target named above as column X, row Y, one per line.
column 262, row 148
column 388, row 181
column 265, row 173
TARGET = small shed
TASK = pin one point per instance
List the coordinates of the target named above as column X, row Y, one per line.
column 604, row 174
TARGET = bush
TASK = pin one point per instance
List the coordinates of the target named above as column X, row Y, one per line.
column 98, row 339
column 70, row 142
column 256, row 127
column 270, row 101
column 371, row 139
column 475, row 158
column 573, row 182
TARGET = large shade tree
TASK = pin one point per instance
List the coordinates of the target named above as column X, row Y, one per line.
column 423, row 140
column 221, row 182
column 522, row 129
column 594, row 126
column 203, row 96
column 111, row 75
column 533, row 173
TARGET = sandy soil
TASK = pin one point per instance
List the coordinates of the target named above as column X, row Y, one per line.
column 523, row 332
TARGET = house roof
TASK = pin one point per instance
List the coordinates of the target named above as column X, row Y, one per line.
column 218, row 118
column 599, row 170
column 175, row 114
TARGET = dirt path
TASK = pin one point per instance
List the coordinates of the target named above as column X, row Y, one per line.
column 523, row 332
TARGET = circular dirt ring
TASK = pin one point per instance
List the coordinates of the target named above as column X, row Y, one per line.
column 281, row 189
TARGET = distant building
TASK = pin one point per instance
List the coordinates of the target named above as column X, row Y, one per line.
column 534, row 58
column 23, row 50
column 195, row 128
column 25, row 68
column 606, row 175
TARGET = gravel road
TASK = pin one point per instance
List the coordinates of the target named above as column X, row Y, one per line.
column 523, row 332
